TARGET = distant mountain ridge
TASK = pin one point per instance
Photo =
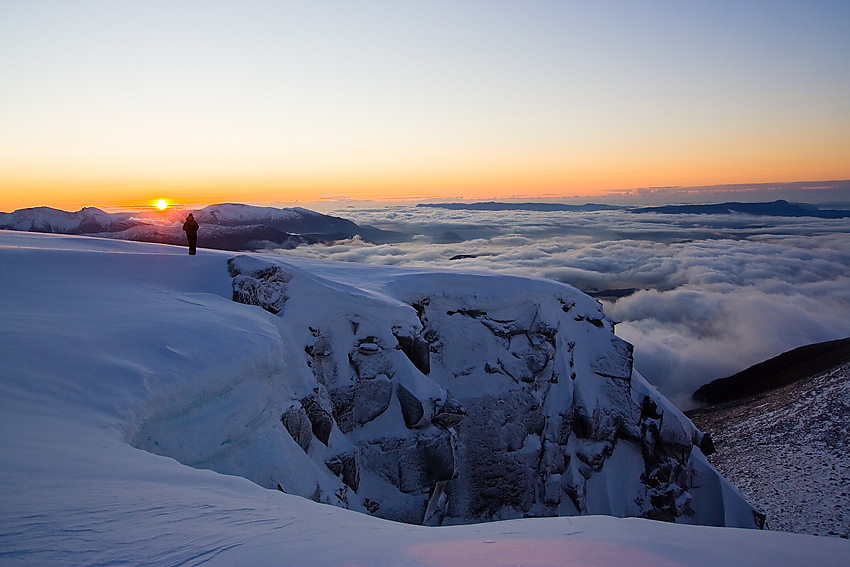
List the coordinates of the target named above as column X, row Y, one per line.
column 779, row 208
column 788, row 367
column 500, row 206
column 47, row 219
column 227, row 226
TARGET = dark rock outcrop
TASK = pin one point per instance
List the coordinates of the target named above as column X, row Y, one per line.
column 449, row 414
column 345, row 467
column 256, row 284
column 412, row 409
column 298, row 425
column 417, row 349
column 321, row 420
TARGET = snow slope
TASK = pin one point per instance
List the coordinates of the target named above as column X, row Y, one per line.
column 100, row 337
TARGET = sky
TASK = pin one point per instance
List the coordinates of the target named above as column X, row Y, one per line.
column 110, row 103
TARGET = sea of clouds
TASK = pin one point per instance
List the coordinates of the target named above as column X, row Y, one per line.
column 713, row 295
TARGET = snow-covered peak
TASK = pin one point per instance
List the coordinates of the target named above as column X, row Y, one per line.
column 47, row 219
column 291, row 220
column 234, row 213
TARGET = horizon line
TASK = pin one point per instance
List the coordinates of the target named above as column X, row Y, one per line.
column 341, row 200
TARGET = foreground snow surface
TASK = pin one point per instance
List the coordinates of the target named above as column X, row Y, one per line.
column 93, row 329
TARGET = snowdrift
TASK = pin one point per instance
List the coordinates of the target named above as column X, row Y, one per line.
column 421, row 396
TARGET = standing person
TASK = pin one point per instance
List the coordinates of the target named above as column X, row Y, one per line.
column 191, row 228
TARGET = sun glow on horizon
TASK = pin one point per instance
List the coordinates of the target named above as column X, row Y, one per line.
column 566, row 99
column 161, row 204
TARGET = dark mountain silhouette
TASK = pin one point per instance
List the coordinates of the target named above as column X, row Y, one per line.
column 784, row 369
column 542, row 207
column 780, row 208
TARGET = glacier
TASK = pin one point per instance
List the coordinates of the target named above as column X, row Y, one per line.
column 429, row 397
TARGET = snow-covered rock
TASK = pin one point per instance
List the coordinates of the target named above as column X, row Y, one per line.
column 447, row 398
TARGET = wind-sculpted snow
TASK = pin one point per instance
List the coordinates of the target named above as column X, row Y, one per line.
column 445, row 398
column 106, row 342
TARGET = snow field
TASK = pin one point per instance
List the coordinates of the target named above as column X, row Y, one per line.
column 101, row 338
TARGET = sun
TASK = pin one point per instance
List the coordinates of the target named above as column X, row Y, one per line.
column 161, row 204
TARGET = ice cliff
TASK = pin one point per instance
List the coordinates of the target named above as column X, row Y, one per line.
column 443, row 398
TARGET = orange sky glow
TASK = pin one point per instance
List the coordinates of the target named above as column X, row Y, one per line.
column 120, row 104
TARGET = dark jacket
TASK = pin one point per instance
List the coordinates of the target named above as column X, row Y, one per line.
column 190, row 226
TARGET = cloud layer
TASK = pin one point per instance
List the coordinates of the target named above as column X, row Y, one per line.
column 715, row 293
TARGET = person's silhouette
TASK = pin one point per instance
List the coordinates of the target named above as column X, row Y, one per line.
column 191, row 228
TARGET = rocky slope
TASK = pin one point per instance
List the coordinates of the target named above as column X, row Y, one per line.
column 788, row 451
